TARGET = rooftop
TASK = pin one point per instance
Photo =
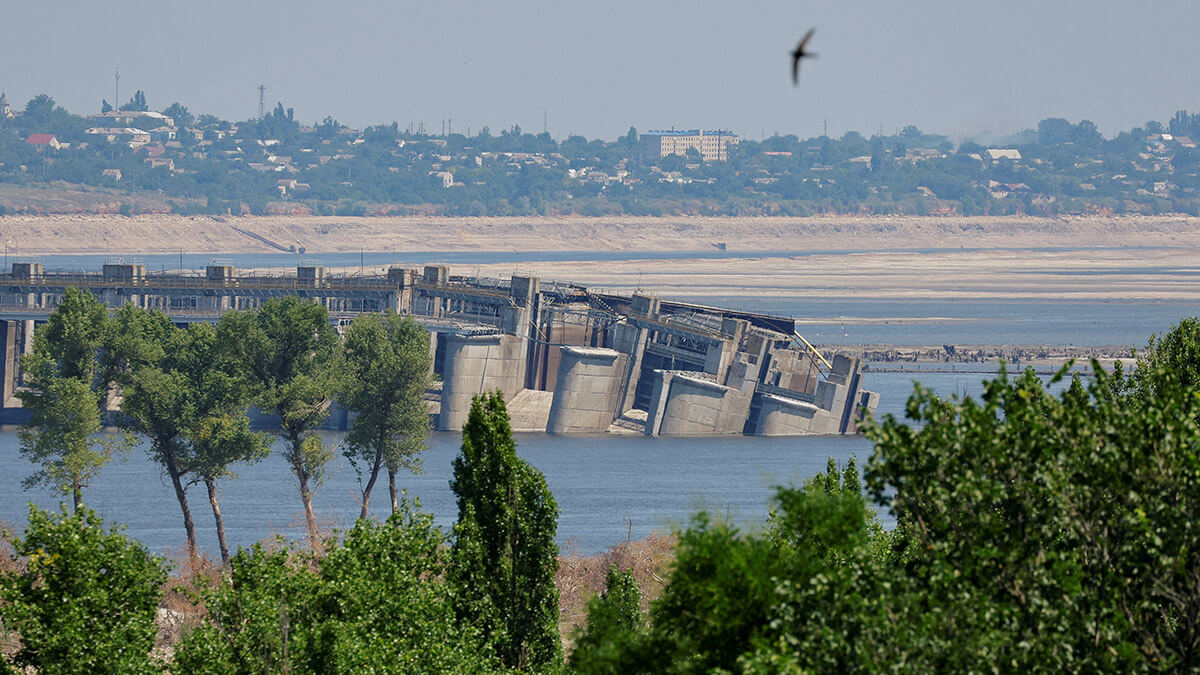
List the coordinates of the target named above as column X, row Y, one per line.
column 690, row 132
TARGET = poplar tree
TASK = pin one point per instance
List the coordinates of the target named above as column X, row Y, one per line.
column 385, row 372
column 289, row 349
column 504, row 556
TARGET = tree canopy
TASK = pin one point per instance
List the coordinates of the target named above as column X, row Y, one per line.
column 504, row 556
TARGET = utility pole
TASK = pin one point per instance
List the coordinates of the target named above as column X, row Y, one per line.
column 262, row 90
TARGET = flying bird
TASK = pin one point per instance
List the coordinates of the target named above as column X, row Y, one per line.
column 800, row 53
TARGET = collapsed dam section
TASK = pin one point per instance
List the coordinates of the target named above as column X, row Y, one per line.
column 568, row 359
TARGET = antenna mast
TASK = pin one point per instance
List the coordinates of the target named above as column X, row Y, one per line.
column 117, row 89
column 262, row 90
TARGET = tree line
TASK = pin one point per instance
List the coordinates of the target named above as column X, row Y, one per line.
column 187, row 392
column 1066, row 167
column 398, row 596
column 1034, row 531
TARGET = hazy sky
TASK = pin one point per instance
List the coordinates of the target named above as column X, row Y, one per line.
column 596, row 68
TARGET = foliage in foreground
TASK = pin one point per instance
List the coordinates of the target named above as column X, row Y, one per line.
column 85, row 599
column 1034, row 532
column 504, row 556
column 613, row 617
column 376, row 603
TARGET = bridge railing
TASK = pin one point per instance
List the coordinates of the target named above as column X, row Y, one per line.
column 60, row 280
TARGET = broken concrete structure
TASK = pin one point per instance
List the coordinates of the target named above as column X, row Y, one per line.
column 573, row 359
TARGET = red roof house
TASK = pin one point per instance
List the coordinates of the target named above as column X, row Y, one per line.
column 43, row 140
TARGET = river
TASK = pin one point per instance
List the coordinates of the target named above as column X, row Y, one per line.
column 608, row 487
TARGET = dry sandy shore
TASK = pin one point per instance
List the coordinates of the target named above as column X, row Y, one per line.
column 1128, row 258
column 34, row 235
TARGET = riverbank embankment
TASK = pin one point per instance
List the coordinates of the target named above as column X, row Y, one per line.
column 150, row 234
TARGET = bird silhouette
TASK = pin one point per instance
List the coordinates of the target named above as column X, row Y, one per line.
column 800, row 53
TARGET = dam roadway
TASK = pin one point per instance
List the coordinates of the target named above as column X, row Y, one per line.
column 567, row 359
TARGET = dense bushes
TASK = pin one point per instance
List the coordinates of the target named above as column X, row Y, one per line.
column 1034, row 532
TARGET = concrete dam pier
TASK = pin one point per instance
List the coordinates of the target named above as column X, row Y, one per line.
column 568, row 359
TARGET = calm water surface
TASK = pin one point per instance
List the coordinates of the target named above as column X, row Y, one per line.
column 603, row 484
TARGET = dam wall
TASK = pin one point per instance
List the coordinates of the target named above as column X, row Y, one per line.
column 587, row 394
column 688, row 404
column 475, row 364
column 575, row 359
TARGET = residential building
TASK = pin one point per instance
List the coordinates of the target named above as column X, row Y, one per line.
column 996, row 154
column 162, row 134
column 712, row 146
column 144, row 119
column 44, row 141
column 134, row 137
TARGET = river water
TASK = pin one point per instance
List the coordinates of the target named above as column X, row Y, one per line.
column 607, row 487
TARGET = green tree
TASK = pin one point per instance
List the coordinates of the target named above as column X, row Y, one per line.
column 289, row 349
column 1168, row 362
column 614, row 618
column 39, row 109
column 734, row 600
column 219, row 434
column 64, row 436
column 220, row 439
column 85, row 599
column 183, row 396
column 386, row 371
column 131, row 339
column 504, row 556
column 65, row 398
column 376, row 603
column 137, row 103
column 1054, row 531
column 180, row 114
column 163, row 399
column 328, row 127
column 68, row 342
column 158, row 404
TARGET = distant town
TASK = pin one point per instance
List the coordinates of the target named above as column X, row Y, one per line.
column 132, row 159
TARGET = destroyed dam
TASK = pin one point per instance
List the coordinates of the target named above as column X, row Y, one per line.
column 569, row 360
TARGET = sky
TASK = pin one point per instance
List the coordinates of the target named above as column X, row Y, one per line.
column 595, row 68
